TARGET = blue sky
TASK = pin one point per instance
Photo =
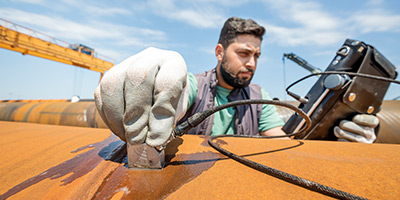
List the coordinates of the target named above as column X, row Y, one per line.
column 313, row 30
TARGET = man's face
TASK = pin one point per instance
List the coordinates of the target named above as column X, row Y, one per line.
column 240, row 58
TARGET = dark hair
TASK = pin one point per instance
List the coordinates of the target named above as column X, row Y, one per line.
column 235, row 26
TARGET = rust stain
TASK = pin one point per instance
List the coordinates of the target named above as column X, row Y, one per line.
column 361, row 169
column 83, row 148
column 79, row 166
column 127, row 183
column 59, row 162
column 157, row 184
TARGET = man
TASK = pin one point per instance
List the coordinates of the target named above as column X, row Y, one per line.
column 142, row 98
column 237, row 52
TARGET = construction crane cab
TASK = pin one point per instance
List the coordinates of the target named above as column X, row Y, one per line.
column 82, row 48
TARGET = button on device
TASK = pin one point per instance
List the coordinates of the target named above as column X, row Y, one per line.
column 337, row 59
column 355, row 43
column 344, row 51
column 334, row 82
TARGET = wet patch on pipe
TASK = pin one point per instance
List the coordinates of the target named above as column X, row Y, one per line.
column 156, row 184
column 78, row 166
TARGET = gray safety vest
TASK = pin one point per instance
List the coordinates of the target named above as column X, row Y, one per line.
column 247, row 117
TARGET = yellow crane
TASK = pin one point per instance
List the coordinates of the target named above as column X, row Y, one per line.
column 26, row 41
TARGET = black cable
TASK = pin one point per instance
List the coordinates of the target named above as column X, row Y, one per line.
column 323, row 189
column 344, row 73
column 197, row 118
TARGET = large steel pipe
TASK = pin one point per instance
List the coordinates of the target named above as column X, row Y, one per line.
column 84, row 114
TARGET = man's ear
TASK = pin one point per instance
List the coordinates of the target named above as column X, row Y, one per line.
column 219, row 52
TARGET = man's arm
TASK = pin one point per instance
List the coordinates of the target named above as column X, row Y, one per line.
column 270, row 123
column 277, row 131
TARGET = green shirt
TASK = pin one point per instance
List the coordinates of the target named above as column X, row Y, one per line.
column 223, row 120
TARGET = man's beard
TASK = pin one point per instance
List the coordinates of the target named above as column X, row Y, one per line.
column 231, row 79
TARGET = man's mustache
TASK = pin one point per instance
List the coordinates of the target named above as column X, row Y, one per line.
column 247, row 70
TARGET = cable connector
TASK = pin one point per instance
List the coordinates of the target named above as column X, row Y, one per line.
column 191, row 122
column 297, row 97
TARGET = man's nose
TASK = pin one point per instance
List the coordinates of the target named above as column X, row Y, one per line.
column 251, row 63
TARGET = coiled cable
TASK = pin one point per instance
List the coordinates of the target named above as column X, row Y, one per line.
column 197, row 118
column 311, row 185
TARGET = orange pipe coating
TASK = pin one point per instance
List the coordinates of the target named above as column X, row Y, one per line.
column 82, row 114
column 64, row 162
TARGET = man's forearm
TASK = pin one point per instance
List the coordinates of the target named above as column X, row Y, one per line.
column 277, row 131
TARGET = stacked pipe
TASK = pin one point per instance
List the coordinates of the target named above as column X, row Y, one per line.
column 84, row 114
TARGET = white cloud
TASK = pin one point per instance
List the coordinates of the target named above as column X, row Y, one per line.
column 107, row 11
column 89, row 8
column 309, row 14
column 302, row 36
column 96, row 8
column 201, row 15
column 375, row 21
column 87, row 33
column 53, row 25
column 374, row 2
column 37, row 2
column 65, row 28
column 227, row 3
column 310, row 24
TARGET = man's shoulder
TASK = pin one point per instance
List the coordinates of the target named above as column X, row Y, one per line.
column 254, row 86
column 259, row 90
column 203, row 74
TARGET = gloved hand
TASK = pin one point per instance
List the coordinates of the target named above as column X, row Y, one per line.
column 360, row 129
column 138, row 98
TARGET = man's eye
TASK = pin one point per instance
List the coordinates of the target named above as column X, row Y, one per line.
column 243, row 53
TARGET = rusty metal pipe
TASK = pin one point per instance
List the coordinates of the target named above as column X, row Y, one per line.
column 84, row 114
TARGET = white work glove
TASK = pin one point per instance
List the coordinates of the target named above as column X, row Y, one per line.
column 138, row 98
column 360, row 129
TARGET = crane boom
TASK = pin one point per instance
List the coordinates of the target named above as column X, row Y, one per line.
column 27, row 41
column 300, row 61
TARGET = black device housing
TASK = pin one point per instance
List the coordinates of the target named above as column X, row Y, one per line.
column 326, row 107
